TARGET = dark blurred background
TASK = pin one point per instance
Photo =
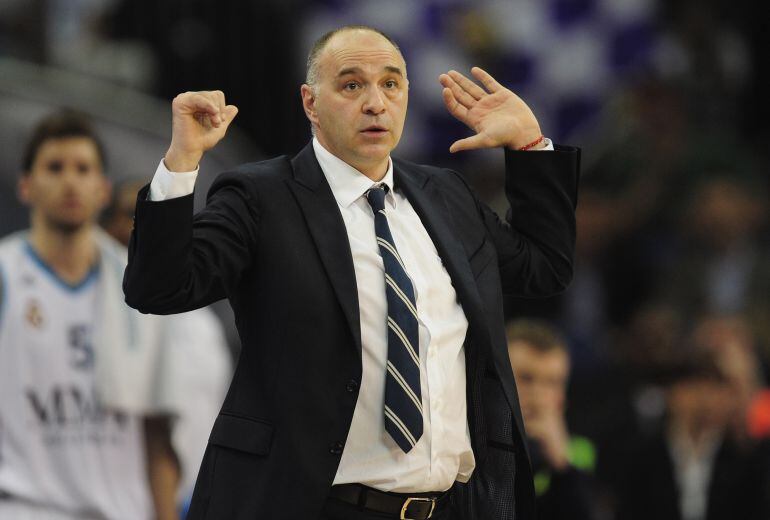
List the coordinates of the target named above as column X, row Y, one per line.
column 666, row 98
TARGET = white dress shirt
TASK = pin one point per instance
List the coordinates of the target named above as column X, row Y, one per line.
column 693, row 469
column 443, row 454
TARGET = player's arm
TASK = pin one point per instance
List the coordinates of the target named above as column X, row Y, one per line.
column 163, row 469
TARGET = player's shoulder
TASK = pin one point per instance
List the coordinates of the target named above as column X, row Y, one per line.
column 11, row 245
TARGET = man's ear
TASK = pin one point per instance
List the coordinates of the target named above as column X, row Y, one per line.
column 308, row 103
column 23, row 188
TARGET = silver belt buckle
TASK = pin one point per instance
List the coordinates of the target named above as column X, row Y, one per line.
column 417, row 499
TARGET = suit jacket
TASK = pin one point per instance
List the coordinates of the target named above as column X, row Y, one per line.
column 272, row 240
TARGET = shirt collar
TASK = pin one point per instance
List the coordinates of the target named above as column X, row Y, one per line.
column 347, row 183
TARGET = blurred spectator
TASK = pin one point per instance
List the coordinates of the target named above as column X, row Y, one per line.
column 695, row 468
column 627, row 402
column 730, row 340
column 722, row 265
column 609, row 281
column 759, row 415
column 65, row 452
column 703, row 48
column 647, row 348
column 195, row 370
column 562, row 462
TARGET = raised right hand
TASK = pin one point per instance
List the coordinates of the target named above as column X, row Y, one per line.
column 200, row 120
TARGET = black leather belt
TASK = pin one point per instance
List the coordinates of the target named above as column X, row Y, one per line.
column 405, row 506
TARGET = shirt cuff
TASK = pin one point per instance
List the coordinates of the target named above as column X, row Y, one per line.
column 166, row 185
column 547, row 148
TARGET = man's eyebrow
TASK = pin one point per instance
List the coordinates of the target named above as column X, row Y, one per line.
column 357, row 70
column 349, row 70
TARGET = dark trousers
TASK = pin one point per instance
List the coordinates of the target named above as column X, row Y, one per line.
column 338, row 510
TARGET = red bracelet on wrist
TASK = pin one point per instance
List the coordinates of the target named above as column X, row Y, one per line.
column 533, row 143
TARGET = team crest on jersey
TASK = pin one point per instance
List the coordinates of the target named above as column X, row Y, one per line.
column 34, row 314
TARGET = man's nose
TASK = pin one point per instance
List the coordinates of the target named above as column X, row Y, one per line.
column 374, row 103
column 70, row 176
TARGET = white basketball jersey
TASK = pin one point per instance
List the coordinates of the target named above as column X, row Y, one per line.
column 59, row 447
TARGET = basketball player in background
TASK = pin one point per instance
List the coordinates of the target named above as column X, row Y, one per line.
column 64, row 454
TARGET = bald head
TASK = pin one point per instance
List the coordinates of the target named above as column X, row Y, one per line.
column 314, row 57
column 356, row 97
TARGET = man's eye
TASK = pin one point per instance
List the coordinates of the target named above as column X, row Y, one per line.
column 351, row 86
column 391, row 83
column 55, row 166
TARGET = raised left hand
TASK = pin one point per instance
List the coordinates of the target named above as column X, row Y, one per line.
column 498, row 116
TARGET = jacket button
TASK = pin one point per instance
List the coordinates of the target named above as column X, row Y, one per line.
column 352, row 386
column 336, row 448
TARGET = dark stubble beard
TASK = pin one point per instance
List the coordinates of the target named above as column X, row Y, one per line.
column 63, row 227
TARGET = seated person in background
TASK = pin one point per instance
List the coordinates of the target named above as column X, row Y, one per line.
column 561, row 462
column 733, row 343
column 192, row 374
column 696, row 469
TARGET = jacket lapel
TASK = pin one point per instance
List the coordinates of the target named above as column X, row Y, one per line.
column 328, row 230
column 429, row 203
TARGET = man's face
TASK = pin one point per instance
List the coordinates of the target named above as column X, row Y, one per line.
column 65, row 186
column 358, row 104
column 701, row 405
column 541, row 378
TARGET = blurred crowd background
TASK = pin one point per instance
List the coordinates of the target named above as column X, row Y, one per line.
column 666, row 98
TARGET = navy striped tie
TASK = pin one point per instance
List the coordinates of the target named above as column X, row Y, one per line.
column 403, row 401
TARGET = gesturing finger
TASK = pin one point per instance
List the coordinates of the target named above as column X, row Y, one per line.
column 454, row 107
column 467, row 85
column 486, row 79
column 460, row 95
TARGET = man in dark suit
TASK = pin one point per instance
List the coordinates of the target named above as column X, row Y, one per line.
column 697, row 467
column 374, row 379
